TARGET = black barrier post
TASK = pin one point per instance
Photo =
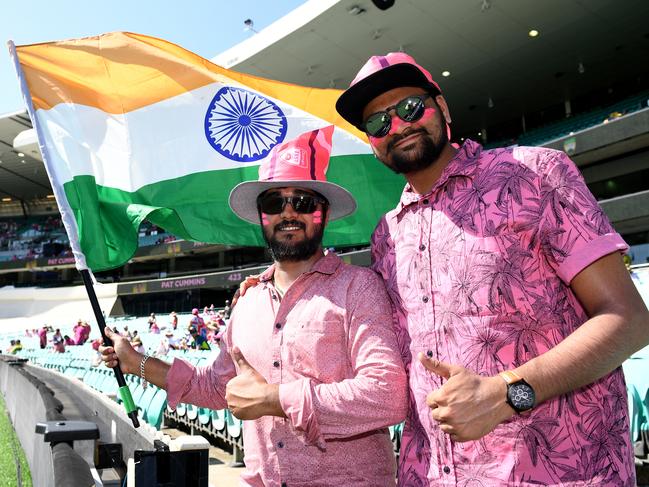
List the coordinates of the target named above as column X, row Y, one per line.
column 124, row 391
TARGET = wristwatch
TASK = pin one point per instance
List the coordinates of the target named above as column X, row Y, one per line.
column 520, row 395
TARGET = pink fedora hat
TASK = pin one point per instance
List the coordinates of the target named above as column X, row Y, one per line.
column 301, row 163
column 378, row 75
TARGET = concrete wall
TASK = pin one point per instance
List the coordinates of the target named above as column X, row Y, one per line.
column 113, row 423
column 29, row 401
column 26, row 408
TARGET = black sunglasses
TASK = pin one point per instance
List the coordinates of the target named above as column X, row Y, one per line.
column 409, row 109
column 274, row 203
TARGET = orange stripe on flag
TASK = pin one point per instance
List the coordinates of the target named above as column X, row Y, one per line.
column 121, row 71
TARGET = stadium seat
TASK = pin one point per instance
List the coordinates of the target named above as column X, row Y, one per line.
column 145, row 399
column 218, row 419
column 204, row 415
column 233, row 425
column 192, row 412
column 155, row 409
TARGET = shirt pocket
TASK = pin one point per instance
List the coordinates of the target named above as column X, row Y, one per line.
column 317, row 350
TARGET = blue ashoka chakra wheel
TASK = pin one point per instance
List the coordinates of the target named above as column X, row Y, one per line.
column 242, row 125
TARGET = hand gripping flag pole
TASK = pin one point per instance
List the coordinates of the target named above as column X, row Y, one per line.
column 124, row 391
column 71, row 228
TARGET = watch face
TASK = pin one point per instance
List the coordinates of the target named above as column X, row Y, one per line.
column 521, row 396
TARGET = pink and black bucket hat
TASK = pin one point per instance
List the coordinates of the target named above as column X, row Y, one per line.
column 378, row 75
column 302, row 163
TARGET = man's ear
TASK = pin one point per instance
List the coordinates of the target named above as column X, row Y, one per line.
column 441, row 103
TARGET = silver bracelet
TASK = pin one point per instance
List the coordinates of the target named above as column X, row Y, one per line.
column 144, row 359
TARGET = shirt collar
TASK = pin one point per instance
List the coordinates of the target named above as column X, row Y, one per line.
column 464, row 163
column 326, row 265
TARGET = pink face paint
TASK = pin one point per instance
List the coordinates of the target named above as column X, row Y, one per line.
column 429, row 112
column 317, row 217
column 264, row 219
column 397, row 123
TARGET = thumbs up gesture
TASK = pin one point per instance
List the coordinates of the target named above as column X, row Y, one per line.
column 249, row 395
column 467, row 406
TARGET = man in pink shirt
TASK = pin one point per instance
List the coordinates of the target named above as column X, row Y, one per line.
column 306, row 356
column 42, row 336
column 509, row 290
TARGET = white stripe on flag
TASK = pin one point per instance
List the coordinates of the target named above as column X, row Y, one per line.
column 159, row 142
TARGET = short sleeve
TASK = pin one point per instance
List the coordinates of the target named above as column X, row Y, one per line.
column 574, row 231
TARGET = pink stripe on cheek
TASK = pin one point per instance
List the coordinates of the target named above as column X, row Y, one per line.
column 397, row 123
column 429, row 113
column 264, row 219
column 317, row 216
column 374, row 140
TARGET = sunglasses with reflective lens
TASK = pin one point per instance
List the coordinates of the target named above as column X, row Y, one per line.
column 274, row 203
column 409, row 109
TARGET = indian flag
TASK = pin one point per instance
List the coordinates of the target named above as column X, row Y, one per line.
column 132, row 127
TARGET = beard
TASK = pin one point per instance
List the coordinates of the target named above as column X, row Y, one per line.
column 416, row 159
column 290, row 251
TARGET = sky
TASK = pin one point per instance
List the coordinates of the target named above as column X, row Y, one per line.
column 206, row 27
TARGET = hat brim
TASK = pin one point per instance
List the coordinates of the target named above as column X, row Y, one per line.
column 243, row 197
column 352, row 102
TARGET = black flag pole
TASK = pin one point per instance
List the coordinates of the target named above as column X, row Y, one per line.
column 124, row 391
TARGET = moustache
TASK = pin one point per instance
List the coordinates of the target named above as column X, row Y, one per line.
column 399, row 137
column 289, row 223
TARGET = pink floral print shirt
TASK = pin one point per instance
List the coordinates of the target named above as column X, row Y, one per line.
column 479, row 273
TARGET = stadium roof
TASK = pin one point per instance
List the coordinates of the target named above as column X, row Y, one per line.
column 484, row 44
column 22, row 174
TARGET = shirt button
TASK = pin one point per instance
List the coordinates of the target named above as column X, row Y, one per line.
column 278, row 325
column 276, row 363
column 429, row 353
column 274, row 296
column 284, row 484
column 280, row 444
column 422, row 247
column 425, row 201
column 425, row 299
column 446, row 469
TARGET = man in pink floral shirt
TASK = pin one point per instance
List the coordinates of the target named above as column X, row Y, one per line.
column 510, row 293
column 306, row 358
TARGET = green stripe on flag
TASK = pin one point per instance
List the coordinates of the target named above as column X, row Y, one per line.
column 195, row 207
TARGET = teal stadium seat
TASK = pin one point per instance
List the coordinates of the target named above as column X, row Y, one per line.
column 546, row 133
column 218, row 419
column 156, row 408
column 233, row 425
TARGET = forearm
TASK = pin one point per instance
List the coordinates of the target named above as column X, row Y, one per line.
column 361, row 405
column 155, row 370
column 347, row 408
column 596, row 348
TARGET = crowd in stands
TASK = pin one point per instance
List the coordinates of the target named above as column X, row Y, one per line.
column 166, row 239
column 8, row 231
column 196, row 331
column 80, row 333
column 24, row 238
